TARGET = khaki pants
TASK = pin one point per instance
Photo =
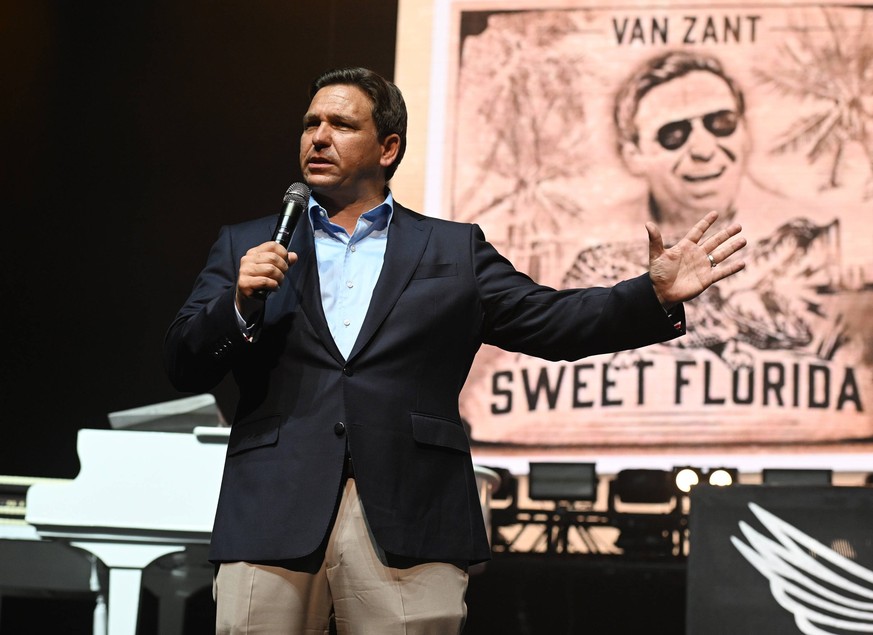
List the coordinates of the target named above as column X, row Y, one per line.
column 366, row 596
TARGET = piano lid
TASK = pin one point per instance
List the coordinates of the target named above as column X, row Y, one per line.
column 178, row 415
column 147, row 485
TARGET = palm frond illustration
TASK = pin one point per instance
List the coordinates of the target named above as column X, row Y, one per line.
column 524, row 98
column 835, row 76
column 827, row 593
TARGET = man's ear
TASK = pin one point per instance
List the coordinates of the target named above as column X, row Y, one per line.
column 390, row 149
column 633, row 159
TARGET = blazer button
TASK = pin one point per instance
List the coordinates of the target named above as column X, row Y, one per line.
column 339, row 429
column 347, row 371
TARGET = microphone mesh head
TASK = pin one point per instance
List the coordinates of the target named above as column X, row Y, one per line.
column 297, row 191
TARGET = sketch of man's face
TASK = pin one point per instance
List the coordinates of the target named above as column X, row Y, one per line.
column 692, row 146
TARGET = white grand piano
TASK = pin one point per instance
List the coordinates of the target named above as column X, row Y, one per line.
column 141, row 496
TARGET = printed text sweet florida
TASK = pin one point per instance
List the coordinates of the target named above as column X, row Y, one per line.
column 563, row 386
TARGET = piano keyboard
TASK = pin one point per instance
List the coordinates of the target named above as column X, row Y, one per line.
column 13, row 497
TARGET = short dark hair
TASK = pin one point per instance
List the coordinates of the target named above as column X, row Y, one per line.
column 660, row 70
column 389, row 109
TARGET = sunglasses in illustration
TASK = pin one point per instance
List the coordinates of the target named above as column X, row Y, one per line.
column 673, row 135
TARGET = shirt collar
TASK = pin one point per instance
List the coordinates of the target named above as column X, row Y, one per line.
column 377, row 219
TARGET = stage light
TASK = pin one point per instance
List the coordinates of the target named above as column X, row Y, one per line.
column 507, row 488
column 686, row 478
column 649, row 533
column 791, row 476
column 562, row 482
column 643, row 486
column 722, row 476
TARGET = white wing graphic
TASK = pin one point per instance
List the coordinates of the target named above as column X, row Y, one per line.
column 821, row 588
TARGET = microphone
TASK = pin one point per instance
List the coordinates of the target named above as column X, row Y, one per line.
column 296, row 200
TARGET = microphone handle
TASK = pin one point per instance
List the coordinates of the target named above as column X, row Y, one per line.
column 283, row 232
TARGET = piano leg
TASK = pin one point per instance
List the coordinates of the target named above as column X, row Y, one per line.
column 126, row 562
column 99, row 624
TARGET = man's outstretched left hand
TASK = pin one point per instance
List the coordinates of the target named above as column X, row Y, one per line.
column 692, row 265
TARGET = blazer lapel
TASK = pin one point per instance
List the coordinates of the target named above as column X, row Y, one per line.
column 407, row 239
column 302, row 286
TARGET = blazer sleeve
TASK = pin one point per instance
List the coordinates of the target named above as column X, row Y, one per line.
column 201, row 341
column 523, row 316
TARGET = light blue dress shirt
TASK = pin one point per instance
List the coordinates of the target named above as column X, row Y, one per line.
column 349, row 267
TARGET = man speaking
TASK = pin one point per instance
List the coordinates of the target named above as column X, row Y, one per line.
column 348, row 490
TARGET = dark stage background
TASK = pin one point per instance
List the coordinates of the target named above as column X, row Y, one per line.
column 130, row 132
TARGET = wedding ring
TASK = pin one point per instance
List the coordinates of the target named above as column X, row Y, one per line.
column 711, row 260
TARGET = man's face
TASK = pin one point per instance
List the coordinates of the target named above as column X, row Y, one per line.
column 341, row 155
column 692, row 146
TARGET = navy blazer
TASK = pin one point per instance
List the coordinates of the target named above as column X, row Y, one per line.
column 443, row 291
